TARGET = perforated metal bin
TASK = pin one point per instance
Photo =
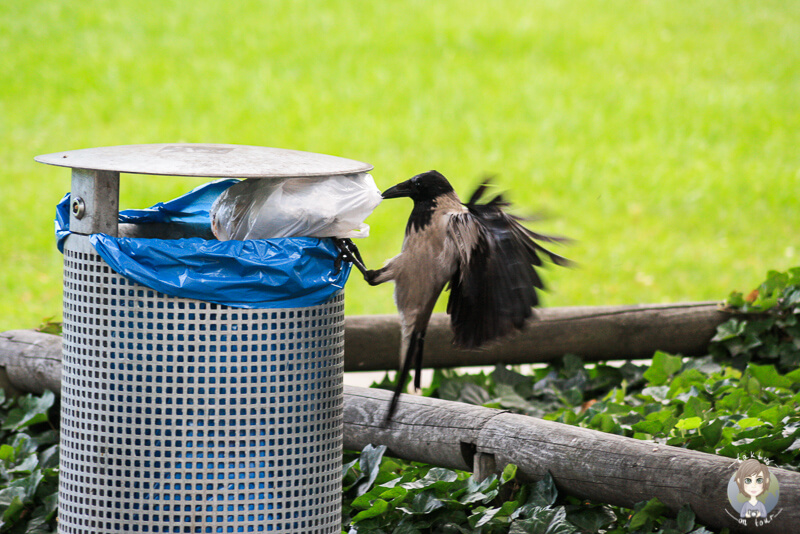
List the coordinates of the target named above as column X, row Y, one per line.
column 185, row 416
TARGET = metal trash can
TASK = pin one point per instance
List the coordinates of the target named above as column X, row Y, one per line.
column 182, row 415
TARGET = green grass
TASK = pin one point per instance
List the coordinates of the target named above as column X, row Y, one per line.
column 662, row 136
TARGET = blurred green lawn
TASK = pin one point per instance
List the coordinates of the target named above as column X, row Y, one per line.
column 663, row 136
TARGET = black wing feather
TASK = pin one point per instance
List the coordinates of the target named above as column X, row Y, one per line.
column 494, row 288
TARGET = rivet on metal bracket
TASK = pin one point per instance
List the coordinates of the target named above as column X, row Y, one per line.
column 78, row 207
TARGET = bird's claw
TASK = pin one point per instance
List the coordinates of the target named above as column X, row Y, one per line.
column 348, row 252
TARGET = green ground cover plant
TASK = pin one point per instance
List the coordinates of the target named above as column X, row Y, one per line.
column 384, row 495
column 660, row 136
column 28, row 463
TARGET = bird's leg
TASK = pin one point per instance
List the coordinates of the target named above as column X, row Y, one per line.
column 348, row 251
column 418, row 363
column 413, row 357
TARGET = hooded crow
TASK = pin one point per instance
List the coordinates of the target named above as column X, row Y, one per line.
column 485, row 255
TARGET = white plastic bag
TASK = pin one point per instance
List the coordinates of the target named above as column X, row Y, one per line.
column 264, row 208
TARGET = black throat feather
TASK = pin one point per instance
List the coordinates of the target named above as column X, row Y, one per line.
column 421, row 215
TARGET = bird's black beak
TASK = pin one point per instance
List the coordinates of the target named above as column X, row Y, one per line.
column 400, row 190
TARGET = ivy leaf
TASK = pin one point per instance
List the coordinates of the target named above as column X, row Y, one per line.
column 507, row 397
column 750, row 422
column 379, row 506
column 657, row 423
column 473, row 394
column 394, row 494
column 347, row 466
column 370, row 464
column 424, row 503
column 685, row 518
column 11, row 503
column 363, row 502
column 437, row 474
column 509, row 472
column 481, row 516
column 504, row 375
column 706, row 365
column 8, row 453
column 728, row 330
column 591, row 519
column 483, row 491
column 768, row 376
column 43, row 516
column 664, row 365
column 544, row 492
column 712, row 432
column 27, row 465
column 647, row 513
column 29, row 484
column 544, row 521
column 30, row 410
column 690, row 423
column 735, row 300
column 659, row 393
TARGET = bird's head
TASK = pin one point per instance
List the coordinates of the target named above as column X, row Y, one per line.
column 425, row 186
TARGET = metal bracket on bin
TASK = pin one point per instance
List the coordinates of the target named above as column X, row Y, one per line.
column 94, row 202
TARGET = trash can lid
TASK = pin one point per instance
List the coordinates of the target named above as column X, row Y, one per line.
column 206, row 160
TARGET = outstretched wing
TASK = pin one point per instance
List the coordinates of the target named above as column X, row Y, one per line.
column 494, row 288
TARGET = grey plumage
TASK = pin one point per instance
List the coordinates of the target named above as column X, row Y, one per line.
column 486, row 255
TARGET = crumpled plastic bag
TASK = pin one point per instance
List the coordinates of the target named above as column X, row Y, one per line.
column 268, row 273
column 264, row 208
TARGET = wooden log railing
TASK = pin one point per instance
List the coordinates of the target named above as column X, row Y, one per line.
column 33, row 359
column 594, row 333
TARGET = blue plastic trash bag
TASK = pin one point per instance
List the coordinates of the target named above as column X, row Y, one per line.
column 286, row 272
